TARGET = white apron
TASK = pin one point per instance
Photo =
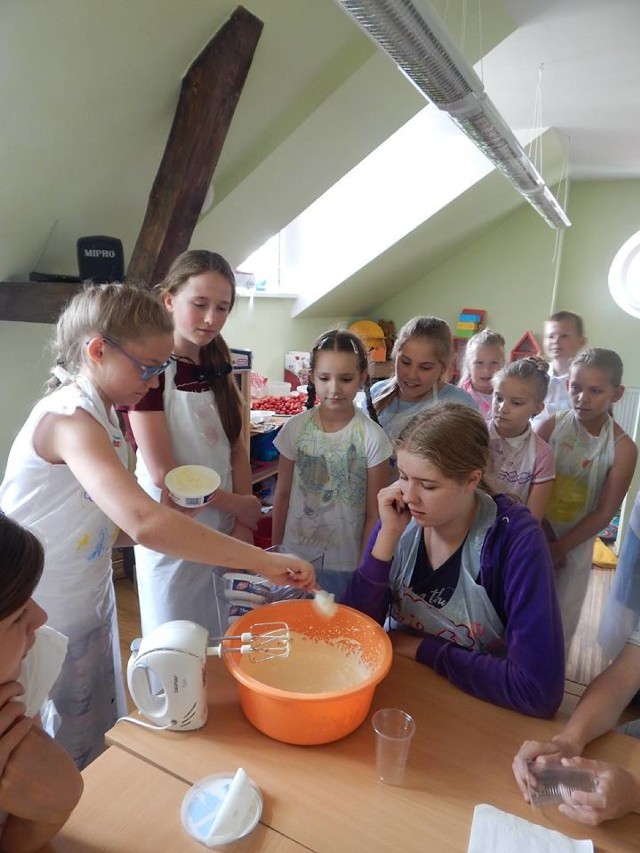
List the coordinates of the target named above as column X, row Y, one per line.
column 582, row 464
column 468, row 619
column 170, row 588
column 511, row 463
column 76, row 588
column 327, row 507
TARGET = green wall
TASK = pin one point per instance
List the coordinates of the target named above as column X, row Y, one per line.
column 511, row 268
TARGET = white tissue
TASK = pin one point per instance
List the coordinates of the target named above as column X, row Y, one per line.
column 41, row 667
column 495, row 831
column 234, row 808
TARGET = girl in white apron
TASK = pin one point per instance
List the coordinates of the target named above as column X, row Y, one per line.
column 40, row 785
column 465, row 577
column 595, row 460
column 521, row 464
column 333, row 461
column 194, row 418
column 67, row 480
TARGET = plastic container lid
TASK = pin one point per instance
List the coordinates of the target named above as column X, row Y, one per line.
column 221, row 808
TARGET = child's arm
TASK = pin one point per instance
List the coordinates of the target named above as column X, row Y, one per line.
column 613, row 491
column 247, row 505
column 39, row 788
column 377, row 478
column 151, row 433
column 544, row 472
column 538, row 498
column 545, row 428
column 281, row 498
column 83, row 445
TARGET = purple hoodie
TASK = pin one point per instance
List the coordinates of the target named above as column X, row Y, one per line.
column 516, row 572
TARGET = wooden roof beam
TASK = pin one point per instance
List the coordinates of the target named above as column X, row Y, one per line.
column 208, row 98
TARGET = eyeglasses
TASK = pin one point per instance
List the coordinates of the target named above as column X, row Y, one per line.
column 146, row 371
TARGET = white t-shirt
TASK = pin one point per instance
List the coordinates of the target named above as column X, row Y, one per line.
column 557, row 398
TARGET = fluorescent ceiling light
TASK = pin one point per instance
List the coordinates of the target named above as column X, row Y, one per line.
column 423, row 50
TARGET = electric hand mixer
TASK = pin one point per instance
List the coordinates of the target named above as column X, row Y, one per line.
column 174, row 656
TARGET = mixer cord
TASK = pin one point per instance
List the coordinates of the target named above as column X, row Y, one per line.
column 144, row 725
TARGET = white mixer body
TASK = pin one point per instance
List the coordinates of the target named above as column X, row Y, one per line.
column 175, row 653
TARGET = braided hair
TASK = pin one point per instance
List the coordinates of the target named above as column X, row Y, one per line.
column 531, row 369
column 339, row 340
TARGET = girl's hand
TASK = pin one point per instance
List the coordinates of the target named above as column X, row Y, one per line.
column 405, row 645
column 244, row 534
column 617, row 794
column 283, row 569
column 247, row 510
column 394, row 513
column 40, row 782
column 558, row 554
column 14, row 727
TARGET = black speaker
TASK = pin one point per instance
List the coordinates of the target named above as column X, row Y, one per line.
column 100, row 259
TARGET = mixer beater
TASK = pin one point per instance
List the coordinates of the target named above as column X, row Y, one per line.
column 263, row 641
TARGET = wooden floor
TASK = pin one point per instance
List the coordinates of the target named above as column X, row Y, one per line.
column 585, row 660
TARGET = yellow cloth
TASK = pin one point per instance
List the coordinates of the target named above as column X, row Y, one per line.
column 603, row 556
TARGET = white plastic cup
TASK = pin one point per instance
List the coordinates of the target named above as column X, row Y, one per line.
column 394, row 730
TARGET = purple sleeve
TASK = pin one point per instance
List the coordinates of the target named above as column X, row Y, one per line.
column 530, row 677
column 369, row 589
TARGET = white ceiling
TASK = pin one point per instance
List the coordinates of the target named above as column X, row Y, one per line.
column 590, row 61
column 88, row 90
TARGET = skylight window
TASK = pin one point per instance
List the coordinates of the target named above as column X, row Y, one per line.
column 416, row 172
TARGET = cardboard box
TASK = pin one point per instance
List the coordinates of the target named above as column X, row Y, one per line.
column 296, row 367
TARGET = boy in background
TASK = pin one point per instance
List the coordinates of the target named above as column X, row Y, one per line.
column 563, row 339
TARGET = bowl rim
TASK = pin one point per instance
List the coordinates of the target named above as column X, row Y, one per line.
column 191, row 495
column 232, row 661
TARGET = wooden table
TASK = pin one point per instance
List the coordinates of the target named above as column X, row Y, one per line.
column 129, row 806
column 328, row 798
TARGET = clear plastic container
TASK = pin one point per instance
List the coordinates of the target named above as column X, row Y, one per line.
column 551, row 784
column 221, row 808
column 284, row 593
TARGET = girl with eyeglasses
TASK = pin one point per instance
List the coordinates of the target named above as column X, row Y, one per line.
column 333, row 461
column 194, row 417
column 67, row 479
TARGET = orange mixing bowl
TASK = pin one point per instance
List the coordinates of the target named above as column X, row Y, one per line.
column 312, row 718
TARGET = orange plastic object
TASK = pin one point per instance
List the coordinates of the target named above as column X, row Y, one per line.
column 312, row 718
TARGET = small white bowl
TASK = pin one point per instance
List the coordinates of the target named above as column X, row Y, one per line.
column 192, row 485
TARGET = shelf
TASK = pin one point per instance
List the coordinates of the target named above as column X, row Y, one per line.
column 263, row 470
column 35, row 301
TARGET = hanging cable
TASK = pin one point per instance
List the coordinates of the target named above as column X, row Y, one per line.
column 535, row 123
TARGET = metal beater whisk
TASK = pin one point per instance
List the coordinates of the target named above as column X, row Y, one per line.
column 264, row 641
